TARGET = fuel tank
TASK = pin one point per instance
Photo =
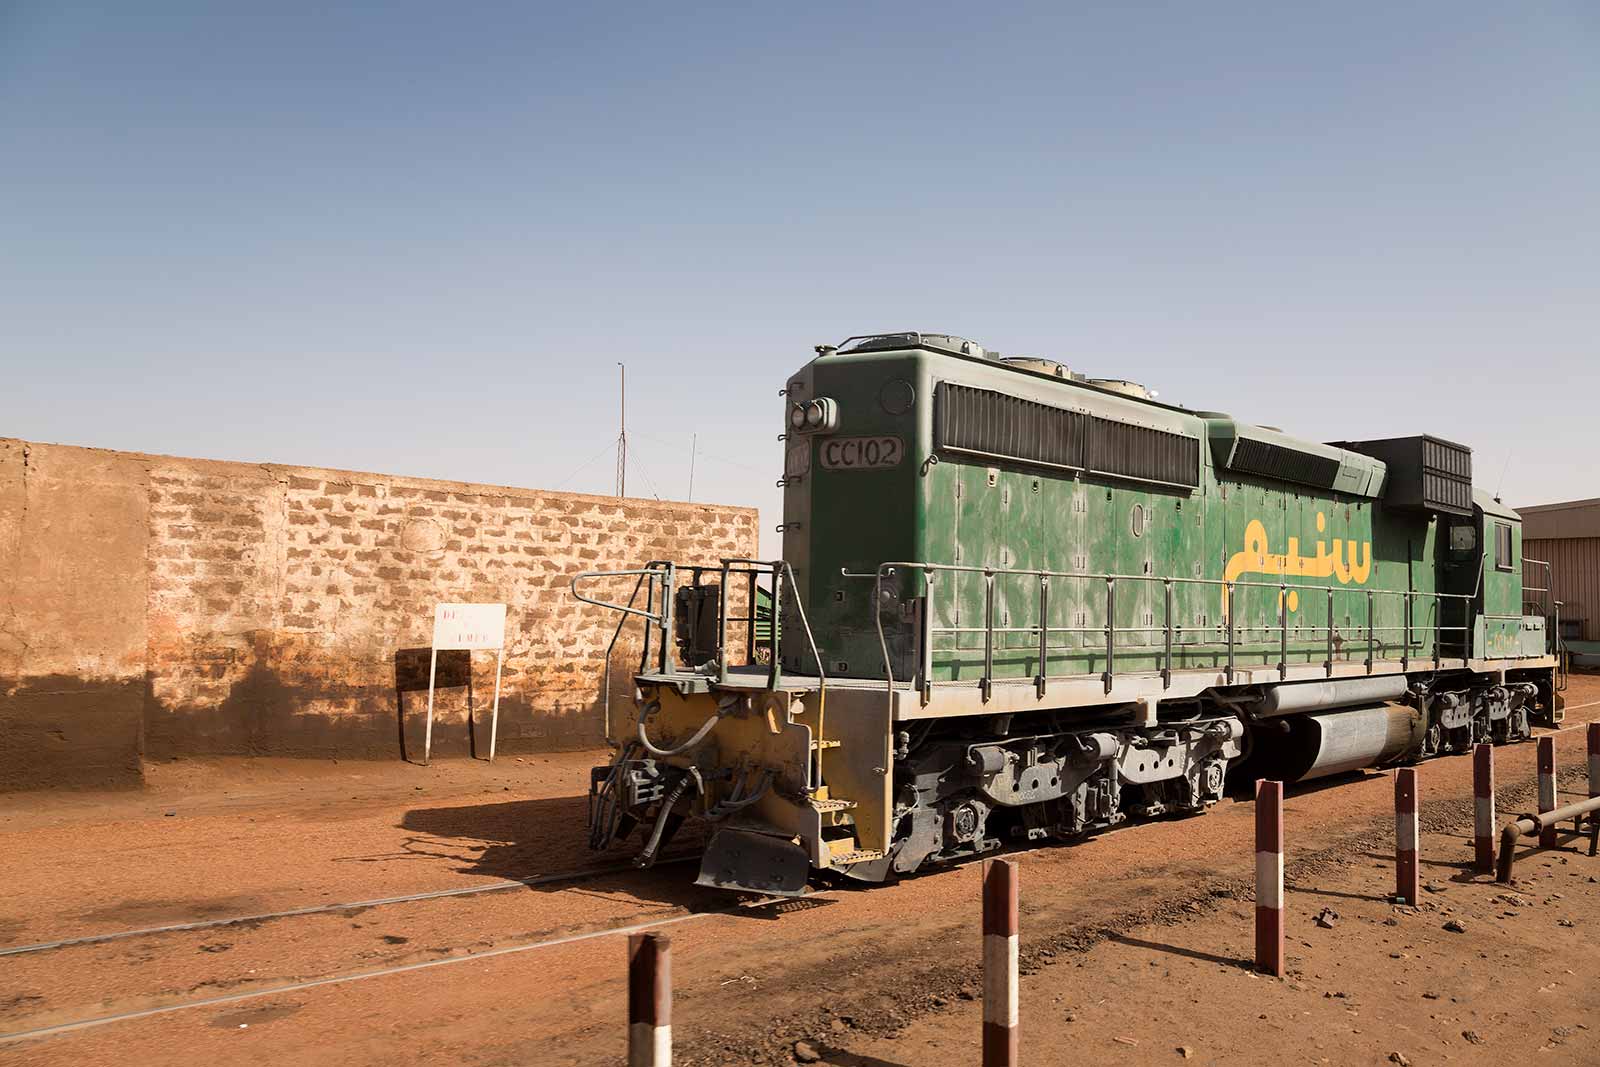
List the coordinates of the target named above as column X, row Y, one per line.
column 1301, row 747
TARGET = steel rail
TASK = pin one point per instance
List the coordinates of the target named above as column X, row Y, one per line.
column 322, row 909
column 338, row 979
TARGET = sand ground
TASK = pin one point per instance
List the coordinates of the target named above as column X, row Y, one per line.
column 1133, row 941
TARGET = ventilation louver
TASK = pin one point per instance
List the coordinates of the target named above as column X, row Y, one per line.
column 994, row 425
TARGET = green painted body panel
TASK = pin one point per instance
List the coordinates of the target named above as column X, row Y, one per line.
column 960, row 509
column 1500, row 624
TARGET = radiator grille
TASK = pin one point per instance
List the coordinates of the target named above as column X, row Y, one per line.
column 1285, row 464
column 1148, row 455
column 1448, row 459
column 986, row 423
column 992, row 425
column 1444, row 493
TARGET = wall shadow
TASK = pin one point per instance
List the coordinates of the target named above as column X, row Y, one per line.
column 453, row 671
column 281, row 701
column 67, row 732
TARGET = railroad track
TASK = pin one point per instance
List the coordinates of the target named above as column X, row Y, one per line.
column 437, row 894
column 351, row 905
column 357, row 976
column 55, row 1029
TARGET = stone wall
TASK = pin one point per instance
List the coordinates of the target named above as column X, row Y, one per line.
column 153, row 607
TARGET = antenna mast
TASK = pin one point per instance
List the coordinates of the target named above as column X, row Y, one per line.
column 622, row 437
column 694, row 446
column 1501, row 483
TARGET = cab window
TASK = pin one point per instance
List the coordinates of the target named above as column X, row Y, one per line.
column 1502, row 546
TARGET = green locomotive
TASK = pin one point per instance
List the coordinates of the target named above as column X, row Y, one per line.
column 1017, row 604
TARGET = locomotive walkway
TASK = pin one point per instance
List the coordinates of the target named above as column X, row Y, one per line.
column 850, row 965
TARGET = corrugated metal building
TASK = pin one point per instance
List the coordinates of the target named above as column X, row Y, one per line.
column 1567, row 536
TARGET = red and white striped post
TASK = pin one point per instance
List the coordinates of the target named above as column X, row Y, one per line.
column 1483, row 806
column 1269, row 877
column 649, row 1001
column 1547, row 787
column 1407, row 878
column 1594, row 759
column 1000, row 964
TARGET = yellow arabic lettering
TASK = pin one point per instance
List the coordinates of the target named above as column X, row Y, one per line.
column 1328, row 562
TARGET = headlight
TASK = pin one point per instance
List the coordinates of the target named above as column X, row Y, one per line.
column 813, row 416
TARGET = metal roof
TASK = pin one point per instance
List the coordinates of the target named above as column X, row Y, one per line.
column 1571, row 518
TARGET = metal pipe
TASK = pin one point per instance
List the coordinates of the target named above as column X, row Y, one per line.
column 1085, row 576
column 1044, row 636
column 605, row 681
column 1166, row 630
column 988, row 634
column 750, row 621
column 1369, row 631
column 1111, row 632
column 1439, row 632
column 669, row 589
column 1529, row 825
column 647, row 856
column 699, row 735
column 1405, row 653
column 1229, row 590
column 1327, row 664
column 1227, row 606
column 1338, row 692
column 650, row 607
column 722, row 625
column 928, row 630
column 1283, row 630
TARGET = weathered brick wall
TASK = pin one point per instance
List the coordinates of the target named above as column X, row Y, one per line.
column 288, row 610
column 73, row 529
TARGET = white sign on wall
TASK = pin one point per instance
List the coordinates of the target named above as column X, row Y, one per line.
column 470, row 627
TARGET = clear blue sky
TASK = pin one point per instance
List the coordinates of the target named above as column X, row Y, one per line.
column 416, row 237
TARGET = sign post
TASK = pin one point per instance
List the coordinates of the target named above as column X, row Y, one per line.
column 467, row 627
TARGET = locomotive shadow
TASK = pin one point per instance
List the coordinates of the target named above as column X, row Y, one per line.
column 1242, row 786
column 1340, row 894
column 1179, row 950
column 838, row 1057
column 542, row 841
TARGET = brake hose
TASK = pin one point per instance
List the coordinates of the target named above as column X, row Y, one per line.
column 699, row 735
column 734, row 802
column 647, row 855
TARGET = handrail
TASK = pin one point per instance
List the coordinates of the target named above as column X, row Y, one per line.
column 1552, row 612
column 605, row 678
column 781, row 572
column 1111, row 629
column 661, row 571
column 665, row 573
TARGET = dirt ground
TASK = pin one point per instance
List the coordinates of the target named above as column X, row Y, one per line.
column 1133, row 941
